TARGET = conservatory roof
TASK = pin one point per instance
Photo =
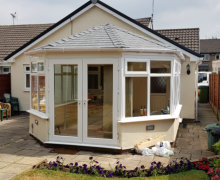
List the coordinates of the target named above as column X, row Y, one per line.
column 106, row 37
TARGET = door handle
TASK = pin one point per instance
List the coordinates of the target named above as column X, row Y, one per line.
column 85, row 101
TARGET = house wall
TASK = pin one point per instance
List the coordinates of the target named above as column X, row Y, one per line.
column 188, row 90
column 129, row 136
column 93, row 17
column 39, row 128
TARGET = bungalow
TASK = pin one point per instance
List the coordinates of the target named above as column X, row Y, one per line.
column 102, row 79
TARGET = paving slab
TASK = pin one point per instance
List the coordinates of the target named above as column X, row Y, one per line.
column 19, row 151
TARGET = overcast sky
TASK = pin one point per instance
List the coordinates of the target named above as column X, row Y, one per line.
column 204, row 14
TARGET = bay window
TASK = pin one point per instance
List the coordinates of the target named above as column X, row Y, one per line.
column 38, row 99
column 148, row 86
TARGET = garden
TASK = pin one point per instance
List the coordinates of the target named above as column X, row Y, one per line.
column 182, row 169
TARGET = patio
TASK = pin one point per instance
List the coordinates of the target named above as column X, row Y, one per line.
column 19, row 151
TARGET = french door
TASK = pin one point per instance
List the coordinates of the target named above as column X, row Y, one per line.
column 84, row 101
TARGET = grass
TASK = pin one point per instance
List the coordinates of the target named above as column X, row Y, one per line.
column 43, row 174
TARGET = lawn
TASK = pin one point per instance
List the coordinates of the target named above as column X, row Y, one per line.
column 43, row 174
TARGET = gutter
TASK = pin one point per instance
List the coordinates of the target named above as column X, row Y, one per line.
column 141, row 50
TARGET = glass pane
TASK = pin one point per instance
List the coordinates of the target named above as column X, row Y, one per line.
column 34, row 97
column 33, row 67
column 160, row 95
column 160, row 67
column 42, row 99
column 100, row 99
column 27, row 80
column 66, row 99
column 27, row 68
column 40, row 66
column 137, row 66
column 136, row 96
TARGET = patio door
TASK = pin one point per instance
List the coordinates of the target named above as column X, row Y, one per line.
column 99, row 101
column 84, row 102
column 66, row 99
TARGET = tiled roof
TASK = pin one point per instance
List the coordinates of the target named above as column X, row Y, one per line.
column 106, row 36
column 208, row 46
column 144, row 21
column 14, row 36
column 188, row 37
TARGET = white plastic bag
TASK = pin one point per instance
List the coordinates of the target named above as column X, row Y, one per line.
column 164, row 152
column 165, row 144
column 147, row 152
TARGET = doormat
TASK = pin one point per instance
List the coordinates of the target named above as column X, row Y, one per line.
column 63, row 151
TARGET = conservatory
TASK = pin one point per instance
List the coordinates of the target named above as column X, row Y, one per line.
column 87, row 90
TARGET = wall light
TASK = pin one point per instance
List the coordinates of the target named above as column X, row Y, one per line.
column 188, row 69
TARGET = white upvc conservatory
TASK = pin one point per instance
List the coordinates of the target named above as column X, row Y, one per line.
column 111, row 97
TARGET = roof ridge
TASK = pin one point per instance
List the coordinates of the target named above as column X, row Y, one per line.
column 142, row 37
column 114, row 37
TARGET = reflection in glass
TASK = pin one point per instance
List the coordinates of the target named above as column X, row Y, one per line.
column 66, row 99
column 160, row 95
column 136, row 96
column 100, row 99
column 34, row 98
column 160, row 66
column 136, row 66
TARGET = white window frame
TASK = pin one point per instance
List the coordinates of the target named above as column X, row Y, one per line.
column 37, row 74
column 148, row 75
column 3, row 72
column 25, row 76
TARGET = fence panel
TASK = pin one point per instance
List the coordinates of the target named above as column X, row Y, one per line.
column 5, row 84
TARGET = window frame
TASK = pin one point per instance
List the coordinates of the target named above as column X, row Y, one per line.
column 4, row 67
column 37, row 74
column 25, row 77
column 148, row 75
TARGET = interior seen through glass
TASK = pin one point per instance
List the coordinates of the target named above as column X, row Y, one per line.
column 136, row 66
column 34, row 92
column 160, row 96
column 100, row 99
column 160, row 66
column 66, row 99
column 42, row 100
column 136, row 96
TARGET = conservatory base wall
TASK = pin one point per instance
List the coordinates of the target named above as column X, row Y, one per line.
column 133, row 133
column 39, row 128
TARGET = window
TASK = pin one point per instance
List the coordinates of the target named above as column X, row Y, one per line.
column 6, row 70
column 27, row 72
column 206, row 57
column 217, row 56
column 148, row 92
column 38, row 99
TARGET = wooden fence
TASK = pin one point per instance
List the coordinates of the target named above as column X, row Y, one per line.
column 5, row 84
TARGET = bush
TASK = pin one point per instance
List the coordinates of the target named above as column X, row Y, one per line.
column 217, row 148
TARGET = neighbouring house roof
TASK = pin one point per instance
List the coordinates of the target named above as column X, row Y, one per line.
column 208, row 46
column 14, row 36
column 145, row 21
column 188, row 37
column 49, row 27
column 106, row 37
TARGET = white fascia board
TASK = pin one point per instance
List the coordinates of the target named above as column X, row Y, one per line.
column 140, row 50
column 192, row 57
column 51, row 32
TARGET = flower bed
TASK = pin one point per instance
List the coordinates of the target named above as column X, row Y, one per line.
column 93, row 168
column 209, row 166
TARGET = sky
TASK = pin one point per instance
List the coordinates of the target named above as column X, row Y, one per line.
column 168, row 14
